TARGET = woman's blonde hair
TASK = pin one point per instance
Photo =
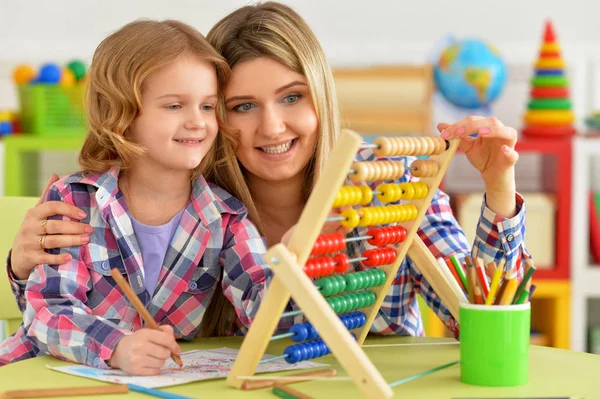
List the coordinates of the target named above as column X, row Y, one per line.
column 276, row 31
column 119, row 67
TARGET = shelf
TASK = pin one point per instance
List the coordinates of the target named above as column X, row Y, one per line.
column 590, row 281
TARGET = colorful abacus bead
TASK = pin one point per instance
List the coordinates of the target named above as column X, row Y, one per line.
column 394, row 146
column 331, row 285
column 365, row 279
column 353, row 195
column 377, row 170
column 319, row 267
column 306, row 331
column 328, row 244
column 352, row 219
column 303, row 332
column 379, row 257
column 382, row 236
column 424, row 168
column 308, row 350
column 342, row 263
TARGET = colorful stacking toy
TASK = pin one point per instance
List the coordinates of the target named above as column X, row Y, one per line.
column 549, row 111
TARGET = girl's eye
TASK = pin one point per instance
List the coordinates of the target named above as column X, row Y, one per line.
column 207, row 107
column 244, row 107
column 174, row 107
column 292, row 98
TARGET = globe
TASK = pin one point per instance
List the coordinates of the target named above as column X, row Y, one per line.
column 470, row 73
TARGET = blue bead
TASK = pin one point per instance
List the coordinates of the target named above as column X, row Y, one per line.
column 293, row 354
column 303, row 351
column 324, row 349
column 312, row 332
column 310, row 351
column 300, row 333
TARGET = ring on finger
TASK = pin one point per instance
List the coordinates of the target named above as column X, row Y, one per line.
column 44, row 231
column 42, row 242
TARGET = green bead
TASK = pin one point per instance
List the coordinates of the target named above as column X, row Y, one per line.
column 371, row 298
column 341, row 284
column 326, row 286
column 351, row 282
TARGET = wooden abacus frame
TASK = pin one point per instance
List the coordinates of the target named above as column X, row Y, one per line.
column 290, row 280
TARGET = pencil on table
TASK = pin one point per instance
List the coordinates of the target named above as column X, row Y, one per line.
column 62, row 392
column 288, row 393
column 250, row 384
column 139, row 306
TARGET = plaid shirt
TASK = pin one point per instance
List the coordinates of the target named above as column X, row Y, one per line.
column 76, row 312
column 497, row 237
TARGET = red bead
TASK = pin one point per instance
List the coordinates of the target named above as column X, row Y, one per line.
column 328, row 244
column 342, row 263
column 379, row 256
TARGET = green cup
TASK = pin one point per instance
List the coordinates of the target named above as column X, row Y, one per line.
column 494, row 344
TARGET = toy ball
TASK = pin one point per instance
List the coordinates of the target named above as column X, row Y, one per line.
column 50, row 74
column 78, row 68
column 67, row 78
column 23, row 74
column 5, row 128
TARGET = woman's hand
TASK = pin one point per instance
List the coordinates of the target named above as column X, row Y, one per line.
column 493, row 153
column 27, row 249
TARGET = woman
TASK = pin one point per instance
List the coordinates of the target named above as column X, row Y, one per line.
column 281, row 100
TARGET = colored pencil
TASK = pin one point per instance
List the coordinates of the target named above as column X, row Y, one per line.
column 139, row 306
column 156, row 392
column 62, row 392
column 257, row 384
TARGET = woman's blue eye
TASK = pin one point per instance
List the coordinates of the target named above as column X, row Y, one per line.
column 207, row 107
column 173, row 106
column 292, row 98
column 244, row 107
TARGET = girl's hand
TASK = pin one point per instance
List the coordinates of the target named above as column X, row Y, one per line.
column 145, row 351
column 493, row 153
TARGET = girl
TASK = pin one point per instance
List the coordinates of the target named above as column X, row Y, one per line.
column 154, row 91
column 281, row 102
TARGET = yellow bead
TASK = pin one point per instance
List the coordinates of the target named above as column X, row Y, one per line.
column 352, row 218
column 367, row 195
column 386, row 192
column 408, row 191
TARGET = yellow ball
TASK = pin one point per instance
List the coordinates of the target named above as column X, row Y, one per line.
column 23, row 74
column 67, row 78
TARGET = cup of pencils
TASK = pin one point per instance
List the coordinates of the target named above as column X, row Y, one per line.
column 495, row 316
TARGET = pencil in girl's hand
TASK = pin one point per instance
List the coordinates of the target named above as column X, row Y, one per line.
column 139, row 306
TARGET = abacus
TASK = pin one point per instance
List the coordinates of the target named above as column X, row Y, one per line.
column 303, row 259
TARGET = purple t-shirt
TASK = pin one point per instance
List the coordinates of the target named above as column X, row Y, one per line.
column 154, row 242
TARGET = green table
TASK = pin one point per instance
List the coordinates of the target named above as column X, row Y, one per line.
column 553, row 372
column 21, row 160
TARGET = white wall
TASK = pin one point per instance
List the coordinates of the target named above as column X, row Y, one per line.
column 351, row 32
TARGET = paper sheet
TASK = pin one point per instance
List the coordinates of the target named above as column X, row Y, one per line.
column 198, row 365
